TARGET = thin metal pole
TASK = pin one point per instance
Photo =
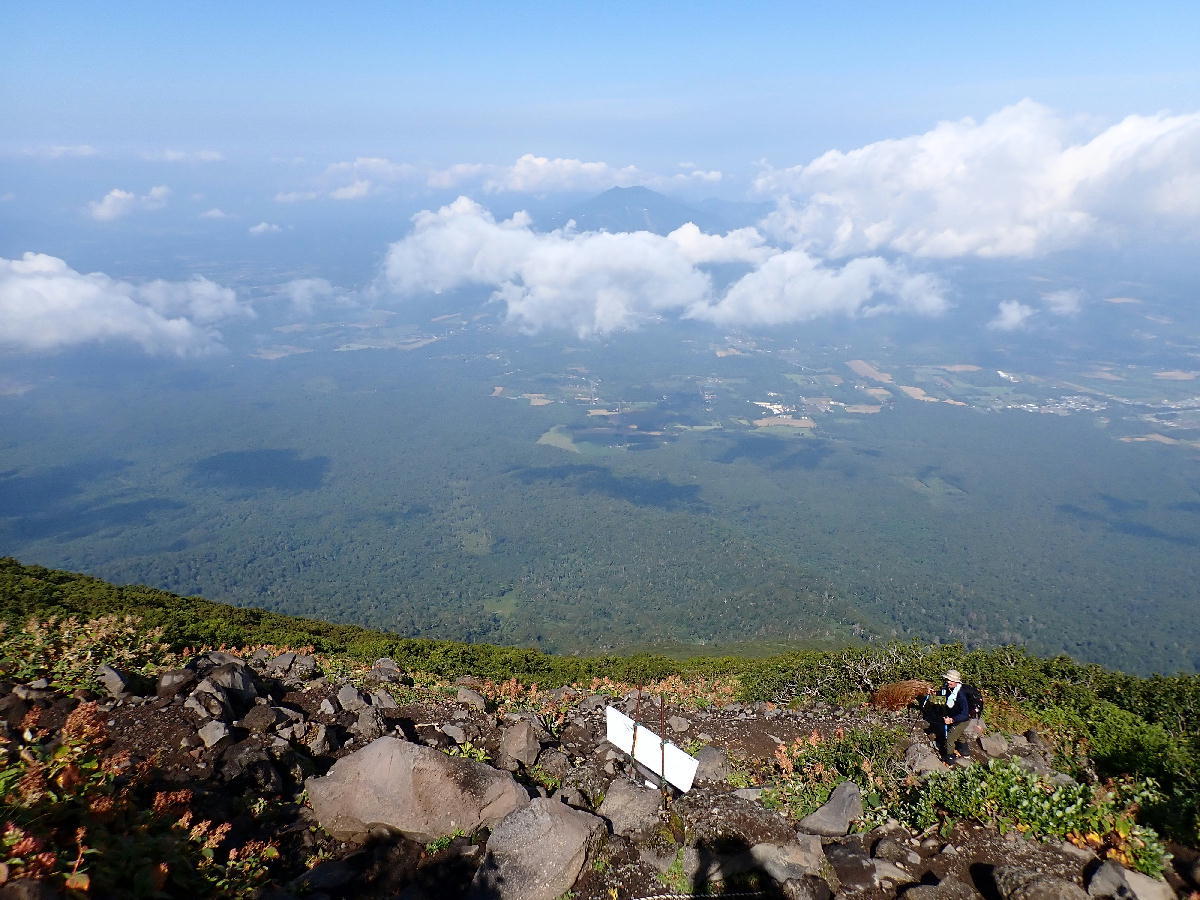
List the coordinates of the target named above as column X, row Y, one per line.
column 662, row 740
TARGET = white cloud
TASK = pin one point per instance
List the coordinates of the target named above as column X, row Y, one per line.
column 1011, row 315
column 215, row 213
column 296, row 196
column 46, row 305
column 62, row 151
column 352, row 191
column 117, row 203
column 365, row 175
column 537, row 175
column 459, row 173
column 1066, row 302
column 743, row 245
column 306, row 295
column 375, row 168
column 184, row 156
column 1022, row 182
column 794, row 287
column 264, row 228
column 593, row 283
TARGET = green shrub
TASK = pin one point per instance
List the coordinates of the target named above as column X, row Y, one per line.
column 1102, row 817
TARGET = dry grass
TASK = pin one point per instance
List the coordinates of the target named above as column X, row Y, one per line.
column 898, row 695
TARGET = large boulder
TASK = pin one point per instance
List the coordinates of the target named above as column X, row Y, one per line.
column 630, row 808
column 418, row 791
column 1016, row 883
column 833, row 819
column 536, row 852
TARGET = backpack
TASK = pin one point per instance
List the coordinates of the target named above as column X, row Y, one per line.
column 974, row 701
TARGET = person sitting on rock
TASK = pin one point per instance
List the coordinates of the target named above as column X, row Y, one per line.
column 955, row 718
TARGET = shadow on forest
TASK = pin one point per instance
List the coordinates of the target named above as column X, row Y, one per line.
column 811, row 455
column 22, row 495
column 631, row 488
column 1123, row 525
column 81, row 521
column 282, row 470
column 754, row 448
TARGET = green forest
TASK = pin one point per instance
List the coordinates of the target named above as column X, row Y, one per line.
column 397, row 491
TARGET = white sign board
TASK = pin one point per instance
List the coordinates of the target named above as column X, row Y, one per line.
column 659, row 756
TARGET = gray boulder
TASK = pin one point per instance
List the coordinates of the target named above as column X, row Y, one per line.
column 238, row 681
column 1113, row 880
column 678, row 724
column 790, row 862
column 370, row 724
column 210, row 701
column 263, row 718
column 350, row 698
column 631, row 809
column 471, row 698
column 518, row 744
column 455, row 733
column 281, row 663
column 993, row 744
column 174, row 682
column 1016, row 883
column 536, row 852
column 116, row 683
column 713, row 765
column 418, row 791
column 920, row 759
column 321, row 742
column 949, row 888
column 212, row 733
column 840, row 810
column 806, row 887
column 854, row 867
column 384, row 700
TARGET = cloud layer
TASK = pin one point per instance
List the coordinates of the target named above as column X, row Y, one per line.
column 46, row 305
column 529, row 174
column 1021, row 183
column 594, row 283
column 117, row 203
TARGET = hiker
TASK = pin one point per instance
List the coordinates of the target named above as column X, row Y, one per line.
column 958, row 715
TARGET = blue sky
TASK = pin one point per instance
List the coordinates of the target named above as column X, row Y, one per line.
column 257, row 145
column 634, row 83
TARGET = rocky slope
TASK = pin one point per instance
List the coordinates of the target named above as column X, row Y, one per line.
column 376, row 786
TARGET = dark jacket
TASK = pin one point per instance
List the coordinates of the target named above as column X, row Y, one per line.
column 961, row 710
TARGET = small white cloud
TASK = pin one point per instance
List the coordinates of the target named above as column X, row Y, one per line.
column 295, row 196
column 264, row 228
column 62, row 151
column 353, row 191
column 1063, row 303
column 306, row 295
column 539, row 174
column 1011, row 315
column 117, row 203
column 184, row 156
column 215, row 213
column 46, row 305
column 459, row 173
